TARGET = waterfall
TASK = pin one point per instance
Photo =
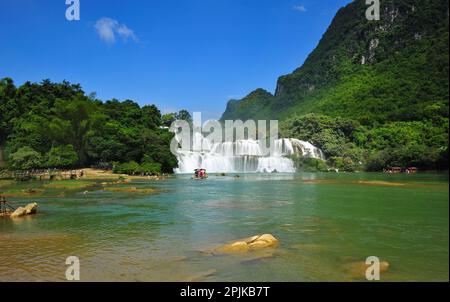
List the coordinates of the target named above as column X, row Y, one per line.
column 243, row 156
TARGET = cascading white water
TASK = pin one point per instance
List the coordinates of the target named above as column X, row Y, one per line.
column 243, row 156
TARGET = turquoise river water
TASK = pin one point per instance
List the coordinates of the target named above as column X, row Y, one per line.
column 326, row 225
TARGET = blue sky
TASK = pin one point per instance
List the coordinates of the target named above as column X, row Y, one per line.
column 192, row 54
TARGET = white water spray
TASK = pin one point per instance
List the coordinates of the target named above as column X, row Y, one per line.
column 243, row 156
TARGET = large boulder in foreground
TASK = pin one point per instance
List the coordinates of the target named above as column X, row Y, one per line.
column 247, row 244
column 23, row 211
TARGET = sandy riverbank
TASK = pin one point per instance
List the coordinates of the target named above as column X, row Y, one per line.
column 98, row 174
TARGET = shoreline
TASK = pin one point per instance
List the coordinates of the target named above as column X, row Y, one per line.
column 92, row 174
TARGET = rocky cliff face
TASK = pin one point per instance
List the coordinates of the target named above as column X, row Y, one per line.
column 368, row 70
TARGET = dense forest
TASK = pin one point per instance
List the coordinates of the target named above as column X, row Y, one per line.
column 56, row 125
column 373, row 93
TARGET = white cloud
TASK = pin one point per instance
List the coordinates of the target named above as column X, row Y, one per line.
column 108, row 29
column 300, row 8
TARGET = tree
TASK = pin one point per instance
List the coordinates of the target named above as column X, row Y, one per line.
column 151, row 117
column 168, row 119
column 62, row 157
column 185, row 116
column 25, row 159
column 46, row 114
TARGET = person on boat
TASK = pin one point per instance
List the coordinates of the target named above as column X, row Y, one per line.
column 204, row 175
column 196, row 171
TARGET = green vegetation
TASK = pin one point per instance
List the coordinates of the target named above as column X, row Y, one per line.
column 23, row 193
column 308, row 164
column 62, row 156
column 25, row 158
column 349, row 146
column 70, row 184
column 133, row 168
column 379, row 90
column 5, row 183
column 337, row 137
column 56, row 125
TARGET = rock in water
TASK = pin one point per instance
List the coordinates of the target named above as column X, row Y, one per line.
column 357, row 270
column 22, row 211
column 264, row 241
column 235, row 247
column 19, row 212
column 31, row 208
column 247, row 244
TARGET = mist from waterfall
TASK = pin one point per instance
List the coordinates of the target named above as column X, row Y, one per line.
column 243, row 156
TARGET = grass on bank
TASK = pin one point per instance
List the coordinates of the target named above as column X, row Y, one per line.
column 6, row 182
column 70, row 184
column 22, row 193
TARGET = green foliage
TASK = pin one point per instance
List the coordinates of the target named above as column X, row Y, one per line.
column 343, row 164
column 387, row 80
column 418, row 144
column 74, row 129
column 337, row 137
column 352, row 147
column 24, row 159
column 307, row 164
column 168, row 119
column 151, row 168
column 62, row 157
column 253, row 106
column 184, row 115
column 133, row 168
column 130, row 168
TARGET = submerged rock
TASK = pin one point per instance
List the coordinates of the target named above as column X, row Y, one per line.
column 27, row 210
column 357, row 270
column 130, row 190
column 235, row 247
column 310, row 247
column 257, row 257
column 247, row 244
column 201, row 276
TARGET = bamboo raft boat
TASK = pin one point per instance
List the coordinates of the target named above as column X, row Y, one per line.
column 5, row 208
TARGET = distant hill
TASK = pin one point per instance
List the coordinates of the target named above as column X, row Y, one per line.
column 373, row 94
column 395, row 69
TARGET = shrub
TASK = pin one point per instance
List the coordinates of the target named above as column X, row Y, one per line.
column 25, row 159
column 308, row 164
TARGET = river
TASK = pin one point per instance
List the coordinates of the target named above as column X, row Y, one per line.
column 325, row 223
